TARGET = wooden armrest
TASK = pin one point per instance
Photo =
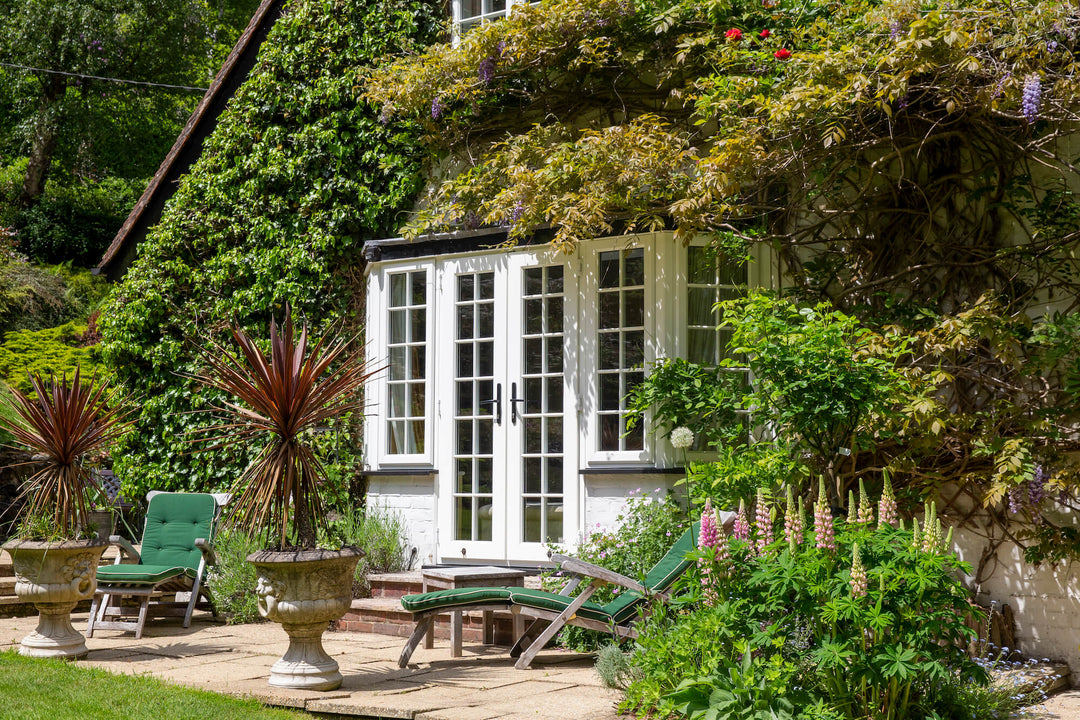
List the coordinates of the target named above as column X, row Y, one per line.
column 581, row 567
column 126, row 548
column 207, row 549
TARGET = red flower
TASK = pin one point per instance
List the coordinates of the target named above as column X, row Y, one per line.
column 764, row 34
column 734, row 35
column 782, row 54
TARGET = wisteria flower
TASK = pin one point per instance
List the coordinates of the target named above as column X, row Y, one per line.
column 438, row 107
column 1032, row 99
column 733, row 35
column 782, row 54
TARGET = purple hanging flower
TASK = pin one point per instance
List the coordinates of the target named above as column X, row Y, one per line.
column 895, row 28
column 1032, row 99
column 486, row 70
column 438, row 107
column 1052, row 46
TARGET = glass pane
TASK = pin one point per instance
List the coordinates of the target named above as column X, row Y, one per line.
column 555, row 480
column 633, row 348
column 465, row 322
column 554, row 522
column 465, row 398
column 485, row 352
column 397, row 401
column 397, row 363
column 419, row 326
column 465, row 360
column 609, row 432
column 397, row 437
column 534, row 316
column 498, row 5
column 733, row 273
column 702, row 348
column 534, row 356
column 483, row 519
column 633, row 308
column 533, row 481
column 701, row 270
column 483, row 467
column 416, row 405
column 609, row 310
column 533, row 401
column 609, row 351
column 417, row 362
column 634, row 269
column 554, row 469
column 464, row 437
column 471, row 8
column 419, row 288
column 532, row 435
column 554, row 395
column 532, row 520
column 397, row 290
column 485, row 317
column 555, row 280
column 554, row 354
column 609, row 391
column 465, row 287
column 416, row 436
column 609, row 269
column 486, row 390
column 534, row 281
column 633, row 380
column 397, row 326
column 464, row 476
column 554, row 435
column 464, row 519
column 487, row 286
column 700, row 310
column 484, row 436
column 554, row 315
column 635, row 439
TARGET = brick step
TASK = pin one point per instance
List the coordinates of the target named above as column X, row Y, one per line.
column 7, row 585
column 398, row 585
column 385, row 616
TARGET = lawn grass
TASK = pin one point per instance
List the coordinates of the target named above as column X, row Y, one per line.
column 34, row 689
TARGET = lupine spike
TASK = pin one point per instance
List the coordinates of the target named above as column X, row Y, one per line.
column 946, row 544
column 887, row 505
column 916, row 540
column 858, row 573
column 852, row 508
column 762, row 522
column 741, row 530
column 708, row 537
column 866, row 511
column 793, row 521
column 824, row 535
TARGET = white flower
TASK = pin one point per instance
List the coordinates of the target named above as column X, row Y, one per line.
column 682, row 438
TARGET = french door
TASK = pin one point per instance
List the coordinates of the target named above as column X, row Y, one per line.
column 508, row 481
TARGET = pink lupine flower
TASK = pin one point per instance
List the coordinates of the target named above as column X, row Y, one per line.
column 858, row 574
column 763, row 523
column 887, row 506
column 741, row 530
column 824, row 535
column 708, row 537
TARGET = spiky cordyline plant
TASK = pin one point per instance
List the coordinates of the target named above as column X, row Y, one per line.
column 284, row 396
column 63, row 423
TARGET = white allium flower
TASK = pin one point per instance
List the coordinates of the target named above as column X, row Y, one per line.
column 682, row 438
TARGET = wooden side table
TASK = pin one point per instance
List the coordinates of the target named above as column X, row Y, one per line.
column 452, row 578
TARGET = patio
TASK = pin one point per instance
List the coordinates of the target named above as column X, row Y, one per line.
column 236, row 660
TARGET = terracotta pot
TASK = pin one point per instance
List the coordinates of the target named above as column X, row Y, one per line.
column 304, row 591
column 55, row 577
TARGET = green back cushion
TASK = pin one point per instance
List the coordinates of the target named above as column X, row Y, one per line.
column 674, row 564
column 173, row 522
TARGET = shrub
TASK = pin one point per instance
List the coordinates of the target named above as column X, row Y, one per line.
column 806, row 631
column 54, row 351
column 382, row 536
column 232, row 580
column 34, row 298
column 645, row 530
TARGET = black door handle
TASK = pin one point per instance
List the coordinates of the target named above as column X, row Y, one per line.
column 514, row 400
column 497, row 402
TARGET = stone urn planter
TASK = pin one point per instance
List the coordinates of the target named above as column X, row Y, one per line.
column 305, row 590
column 55, row 577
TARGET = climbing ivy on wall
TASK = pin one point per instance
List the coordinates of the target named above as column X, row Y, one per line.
column 298, row 172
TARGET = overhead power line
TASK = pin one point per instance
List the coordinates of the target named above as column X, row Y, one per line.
column 106, row 79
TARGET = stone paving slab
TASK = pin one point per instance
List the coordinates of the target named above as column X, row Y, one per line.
column 236, row 660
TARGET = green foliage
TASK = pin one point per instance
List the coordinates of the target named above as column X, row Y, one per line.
column 740, row 470
column 645, row 529
column 57, row 351
column 613, row 666
column 383, row 537
column 233, row 579
column 298, row 172
column 34, row 297
column 791, row 631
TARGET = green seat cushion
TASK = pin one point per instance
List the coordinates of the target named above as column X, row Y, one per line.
column 140, row 574
column 449, row 599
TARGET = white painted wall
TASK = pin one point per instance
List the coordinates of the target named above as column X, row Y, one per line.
column 413, row 498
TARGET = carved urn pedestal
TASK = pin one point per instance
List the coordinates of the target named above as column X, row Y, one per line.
column 305, row 590
column 55, row 577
